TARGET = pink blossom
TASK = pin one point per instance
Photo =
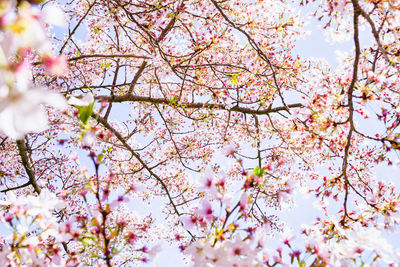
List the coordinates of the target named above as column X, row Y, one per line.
column 118, row 201
column 56, row 65
column 188, row 221
column 206, row 210
column 228, row 150
column 244, row 201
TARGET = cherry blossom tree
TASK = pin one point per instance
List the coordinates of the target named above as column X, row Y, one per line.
column 116, row 113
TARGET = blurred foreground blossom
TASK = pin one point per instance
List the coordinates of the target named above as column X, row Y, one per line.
column 22, row 34
column 22, row 113
column 82, row 100
column 21, row 109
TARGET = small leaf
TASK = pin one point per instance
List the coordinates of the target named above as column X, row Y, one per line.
column 256, row 171
column 105, row 64
column 259, row 171
column 173, row 100
column 100, row 157
column 85, row 113
column 235, row 78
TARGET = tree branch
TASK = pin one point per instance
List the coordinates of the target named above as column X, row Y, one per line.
column 28, row 168
column 153, row 100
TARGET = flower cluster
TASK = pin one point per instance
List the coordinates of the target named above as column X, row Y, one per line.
column 336, row 245
column 35, row 236
column 233, row 252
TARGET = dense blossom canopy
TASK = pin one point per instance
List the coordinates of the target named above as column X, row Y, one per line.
column 129, row 125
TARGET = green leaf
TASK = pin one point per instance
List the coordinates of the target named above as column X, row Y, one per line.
column 85, row 113
column 256, row 171
column 235, row 78
column 259, row 171
column 173, row 100
column 105, row 64
column 100, row 157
